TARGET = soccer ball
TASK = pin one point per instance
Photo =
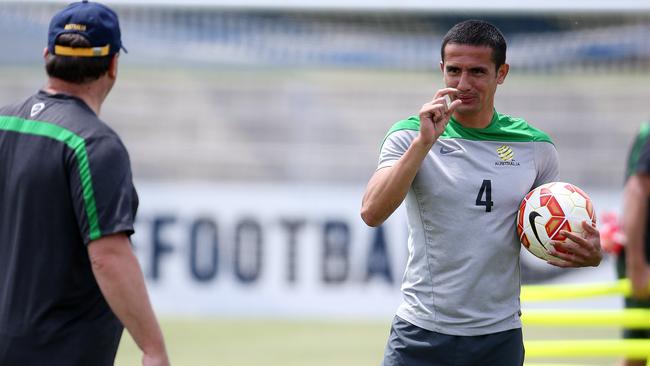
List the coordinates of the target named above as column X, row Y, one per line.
column 548, row 209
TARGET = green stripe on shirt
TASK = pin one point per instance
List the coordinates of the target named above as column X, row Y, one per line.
column 502, row 127
column 74, row 142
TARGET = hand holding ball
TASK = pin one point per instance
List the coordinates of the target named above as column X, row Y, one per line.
column 549, row 209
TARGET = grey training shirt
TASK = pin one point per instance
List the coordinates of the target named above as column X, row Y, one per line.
column 462, row 275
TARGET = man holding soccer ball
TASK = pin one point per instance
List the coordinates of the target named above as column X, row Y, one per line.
column 463, row 168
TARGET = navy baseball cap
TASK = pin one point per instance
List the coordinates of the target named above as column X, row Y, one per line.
column 96, row 22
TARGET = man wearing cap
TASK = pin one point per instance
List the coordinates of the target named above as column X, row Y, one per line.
column 69, row 281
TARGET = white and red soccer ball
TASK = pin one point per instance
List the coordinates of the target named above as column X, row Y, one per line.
column 549, row 209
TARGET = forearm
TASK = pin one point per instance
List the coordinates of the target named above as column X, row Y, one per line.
column 120, row 279
column 634, row 219
column 388, row 187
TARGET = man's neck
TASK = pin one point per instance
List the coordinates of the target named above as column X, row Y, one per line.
column 481, row 119
column 91, row 93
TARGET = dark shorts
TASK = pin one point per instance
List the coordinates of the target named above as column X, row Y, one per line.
column 409, row 345
column 631, row 303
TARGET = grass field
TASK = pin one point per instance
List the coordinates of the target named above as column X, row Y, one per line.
column 208, row 342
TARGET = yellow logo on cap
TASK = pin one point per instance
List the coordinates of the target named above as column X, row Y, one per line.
column 77, row 27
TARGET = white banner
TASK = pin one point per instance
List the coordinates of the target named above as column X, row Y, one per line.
column 264, row 249
column 279, row 250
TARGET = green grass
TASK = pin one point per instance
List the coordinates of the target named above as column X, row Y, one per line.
column 199, row 342
column 215, row 341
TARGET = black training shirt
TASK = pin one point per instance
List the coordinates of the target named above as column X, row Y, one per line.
column 65, row 180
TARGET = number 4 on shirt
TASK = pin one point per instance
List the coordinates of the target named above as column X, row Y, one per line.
column 485, row 191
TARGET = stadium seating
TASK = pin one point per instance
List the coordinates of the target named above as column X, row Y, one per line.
column 307, row 96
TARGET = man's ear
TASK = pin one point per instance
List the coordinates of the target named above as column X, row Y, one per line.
column 502, row 73
column 45, row 52
column 112, row 67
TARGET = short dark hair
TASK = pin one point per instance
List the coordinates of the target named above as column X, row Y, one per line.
column 75, row 69
column 477, row 33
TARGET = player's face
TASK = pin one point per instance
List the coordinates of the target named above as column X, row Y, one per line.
column 470, row 69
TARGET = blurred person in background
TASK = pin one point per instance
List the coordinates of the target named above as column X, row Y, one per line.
column 633, row 260
column 462, row 282
column 69, row 281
